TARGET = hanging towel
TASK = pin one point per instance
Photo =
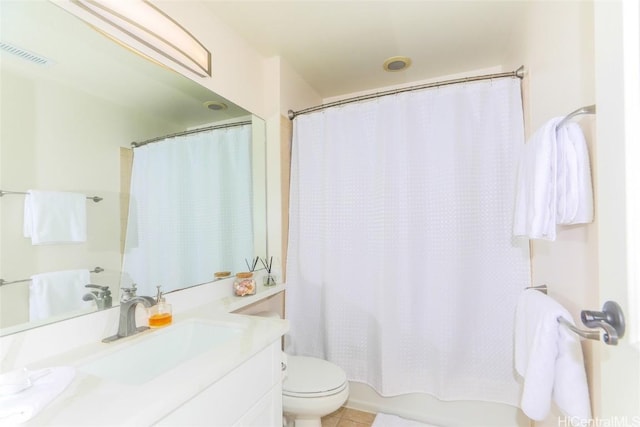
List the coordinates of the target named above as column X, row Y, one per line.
column 55, row 217
column 575, row 192
column 549, row 358
column 554, row 182
column 51, row 294
column 535, row 209
column 46, row 385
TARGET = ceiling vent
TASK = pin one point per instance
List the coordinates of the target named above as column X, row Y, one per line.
column 215, row 105
column 25, row 54
column 396, row 63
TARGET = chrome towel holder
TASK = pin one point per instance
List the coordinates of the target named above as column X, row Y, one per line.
column 610, row 319
column 589, row 109
column 96, row 199
column 6, row 282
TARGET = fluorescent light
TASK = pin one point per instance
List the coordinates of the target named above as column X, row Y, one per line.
column 145, row 29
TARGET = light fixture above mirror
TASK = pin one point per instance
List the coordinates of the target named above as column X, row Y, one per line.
column 146, row 30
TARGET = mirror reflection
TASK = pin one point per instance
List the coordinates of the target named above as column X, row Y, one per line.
column 72, row 103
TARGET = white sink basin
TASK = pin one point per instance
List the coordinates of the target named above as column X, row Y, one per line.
column 152, row 355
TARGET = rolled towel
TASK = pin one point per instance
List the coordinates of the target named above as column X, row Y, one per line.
column 46, row 385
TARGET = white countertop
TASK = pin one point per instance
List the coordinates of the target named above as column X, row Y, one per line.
column 91, row 400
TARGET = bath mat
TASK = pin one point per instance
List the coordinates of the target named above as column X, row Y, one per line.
column 388, row 420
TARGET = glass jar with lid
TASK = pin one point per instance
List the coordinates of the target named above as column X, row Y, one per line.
column 244, row 284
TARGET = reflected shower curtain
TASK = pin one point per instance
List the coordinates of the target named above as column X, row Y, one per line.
column 402, row 268
column 190, row 213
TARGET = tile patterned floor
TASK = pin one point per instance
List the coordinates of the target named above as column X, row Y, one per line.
column 347, row 417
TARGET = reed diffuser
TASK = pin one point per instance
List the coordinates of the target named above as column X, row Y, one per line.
column 269, row 278
column 252, row 266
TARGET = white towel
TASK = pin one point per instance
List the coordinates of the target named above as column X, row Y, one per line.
column 549, row 358
column 535, row 208
column 575, row 198
column 51, row 294
column 554, row 182
column 55, row 217
column 47, row 384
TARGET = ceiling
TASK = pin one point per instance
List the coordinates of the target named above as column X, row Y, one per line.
column 339, row 46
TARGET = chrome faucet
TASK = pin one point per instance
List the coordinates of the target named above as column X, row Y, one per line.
column 127, row 319
column 102, row 296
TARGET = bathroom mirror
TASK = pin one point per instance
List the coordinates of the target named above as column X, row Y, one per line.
column 72, row 103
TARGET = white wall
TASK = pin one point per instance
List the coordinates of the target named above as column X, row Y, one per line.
column 556, row 47
column 291, row 92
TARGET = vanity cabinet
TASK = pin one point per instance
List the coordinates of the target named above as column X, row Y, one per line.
column 249, row 395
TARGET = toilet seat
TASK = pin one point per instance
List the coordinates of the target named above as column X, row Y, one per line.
column 309, row 377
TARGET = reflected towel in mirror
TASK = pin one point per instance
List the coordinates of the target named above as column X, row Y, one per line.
column 55, row 217
column 59, row 292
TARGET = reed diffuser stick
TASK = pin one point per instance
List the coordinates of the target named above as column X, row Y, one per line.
column 267, row 266
column 252, row 267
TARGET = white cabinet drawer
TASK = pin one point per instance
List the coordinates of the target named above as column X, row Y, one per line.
column 235, row 395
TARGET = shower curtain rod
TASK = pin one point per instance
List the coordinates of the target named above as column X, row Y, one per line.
column 519, row 73
column 188, row 132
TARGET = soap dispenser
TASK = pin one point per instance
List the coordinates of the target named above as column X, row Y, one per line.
column 160, row 314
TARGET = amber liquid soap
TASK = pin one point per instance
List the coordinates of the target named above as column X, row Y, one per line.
column 160, row 319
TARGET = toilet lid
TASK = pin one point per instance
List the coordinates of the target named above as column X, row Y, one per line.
column 309, row 376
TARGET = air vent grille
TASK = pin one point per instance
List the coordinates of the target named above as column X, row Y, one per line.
column 25, row 54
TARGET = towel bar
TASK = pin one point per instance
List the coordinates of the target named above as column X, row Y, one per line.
column 589, row 109
column 590, row 335
column 610, row 319
column 4, row 282
column 96, row 199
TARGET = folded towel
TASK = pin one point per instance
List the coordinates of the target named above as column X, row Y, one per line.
column 46, row 385
column 549, row 358
column 535, row 208
column 55, row 217
column 14, row 381
column 59, row 292
column 575, row 191
column 554, row 182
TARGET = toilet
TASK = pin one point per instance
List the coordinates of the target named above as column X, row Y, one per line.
column 311, row 388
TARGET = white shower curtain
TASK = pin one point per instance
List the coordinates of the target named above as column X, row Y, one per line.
column 190, row 213
column 402, row 268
